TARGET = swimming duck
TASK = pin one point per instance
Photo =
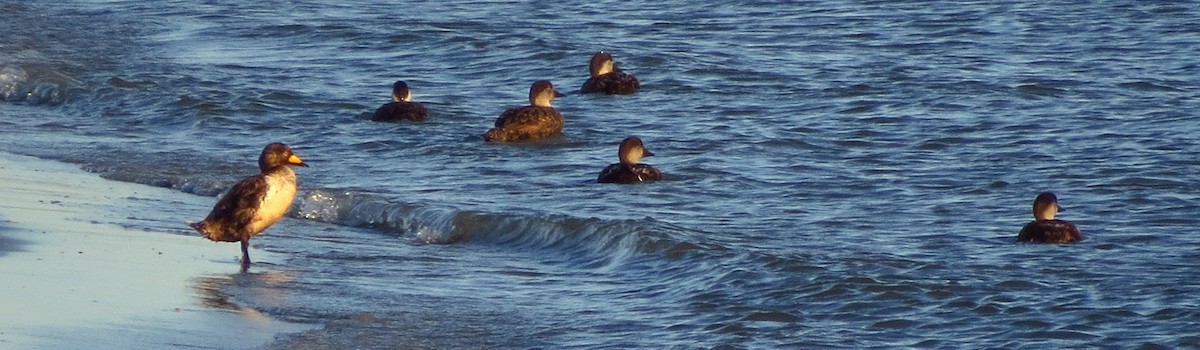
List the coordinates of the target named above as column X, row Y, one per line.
column 607, row 78
column 402, row 107
column 539, row 120
column 256, row 202
column 629, row 170
column 1044, row 228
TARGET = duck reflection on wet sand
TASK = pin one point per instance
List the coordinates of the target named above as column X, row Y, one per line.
column 265, row 289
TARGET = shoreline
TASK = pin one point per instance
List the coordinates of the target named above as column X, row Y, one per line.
column 96, row 263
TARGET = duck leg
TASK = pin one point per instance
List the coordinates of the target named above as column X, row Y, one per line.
column 245, row 252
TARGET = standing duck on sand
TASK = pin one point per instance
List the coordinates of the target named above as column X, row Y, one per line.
column 537, row 121
column 256, row 202
column 402, row 107
column 1046, row 229
column 629, row 170
column 607, row 78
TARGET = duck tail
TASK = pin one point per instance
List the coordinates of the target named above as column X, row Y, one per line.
column 201, row 227
column 495, row 135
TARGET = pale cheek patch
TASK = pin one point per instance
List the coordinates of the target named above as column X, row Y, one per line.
column 606, row 68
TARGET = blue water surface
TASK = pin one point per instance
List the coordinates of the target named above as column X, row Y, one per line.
column 839, row 174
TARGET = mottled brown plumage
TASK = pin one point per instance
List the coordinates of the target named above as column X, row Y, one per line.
column 401, row 108
column 629, row 170
column 256, row 202
column 1046, row 229
column 400, row 111
column 537, row 121
column 606, row 77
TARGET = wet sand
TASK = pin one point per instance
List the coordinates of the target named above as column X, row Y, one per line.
column 89, row 263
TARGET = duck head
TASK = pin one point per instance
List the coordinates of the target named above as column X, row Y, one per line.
column 541, row 93
column 400, row 92
column 277, row 154
column 632, row 151
column 602, row 63
column 1045, row 207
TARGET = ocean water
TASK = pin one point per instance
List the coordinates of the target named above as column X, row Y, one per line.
column 839, row 174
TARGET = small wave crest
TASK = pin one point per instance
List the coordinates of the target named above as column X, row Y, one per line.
column 34, row 84
column 595, row 241
column 426, row 225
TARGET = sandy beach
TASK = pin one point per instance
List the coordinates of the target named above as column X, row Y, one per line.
column 99, row 264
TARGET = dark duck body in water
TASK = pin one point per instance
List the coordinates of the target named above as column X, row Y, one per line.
column 402, row 107
column 1046, row 229
column 607, row 78
column 629, row 170
column 537, row 121
column 255, row 203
